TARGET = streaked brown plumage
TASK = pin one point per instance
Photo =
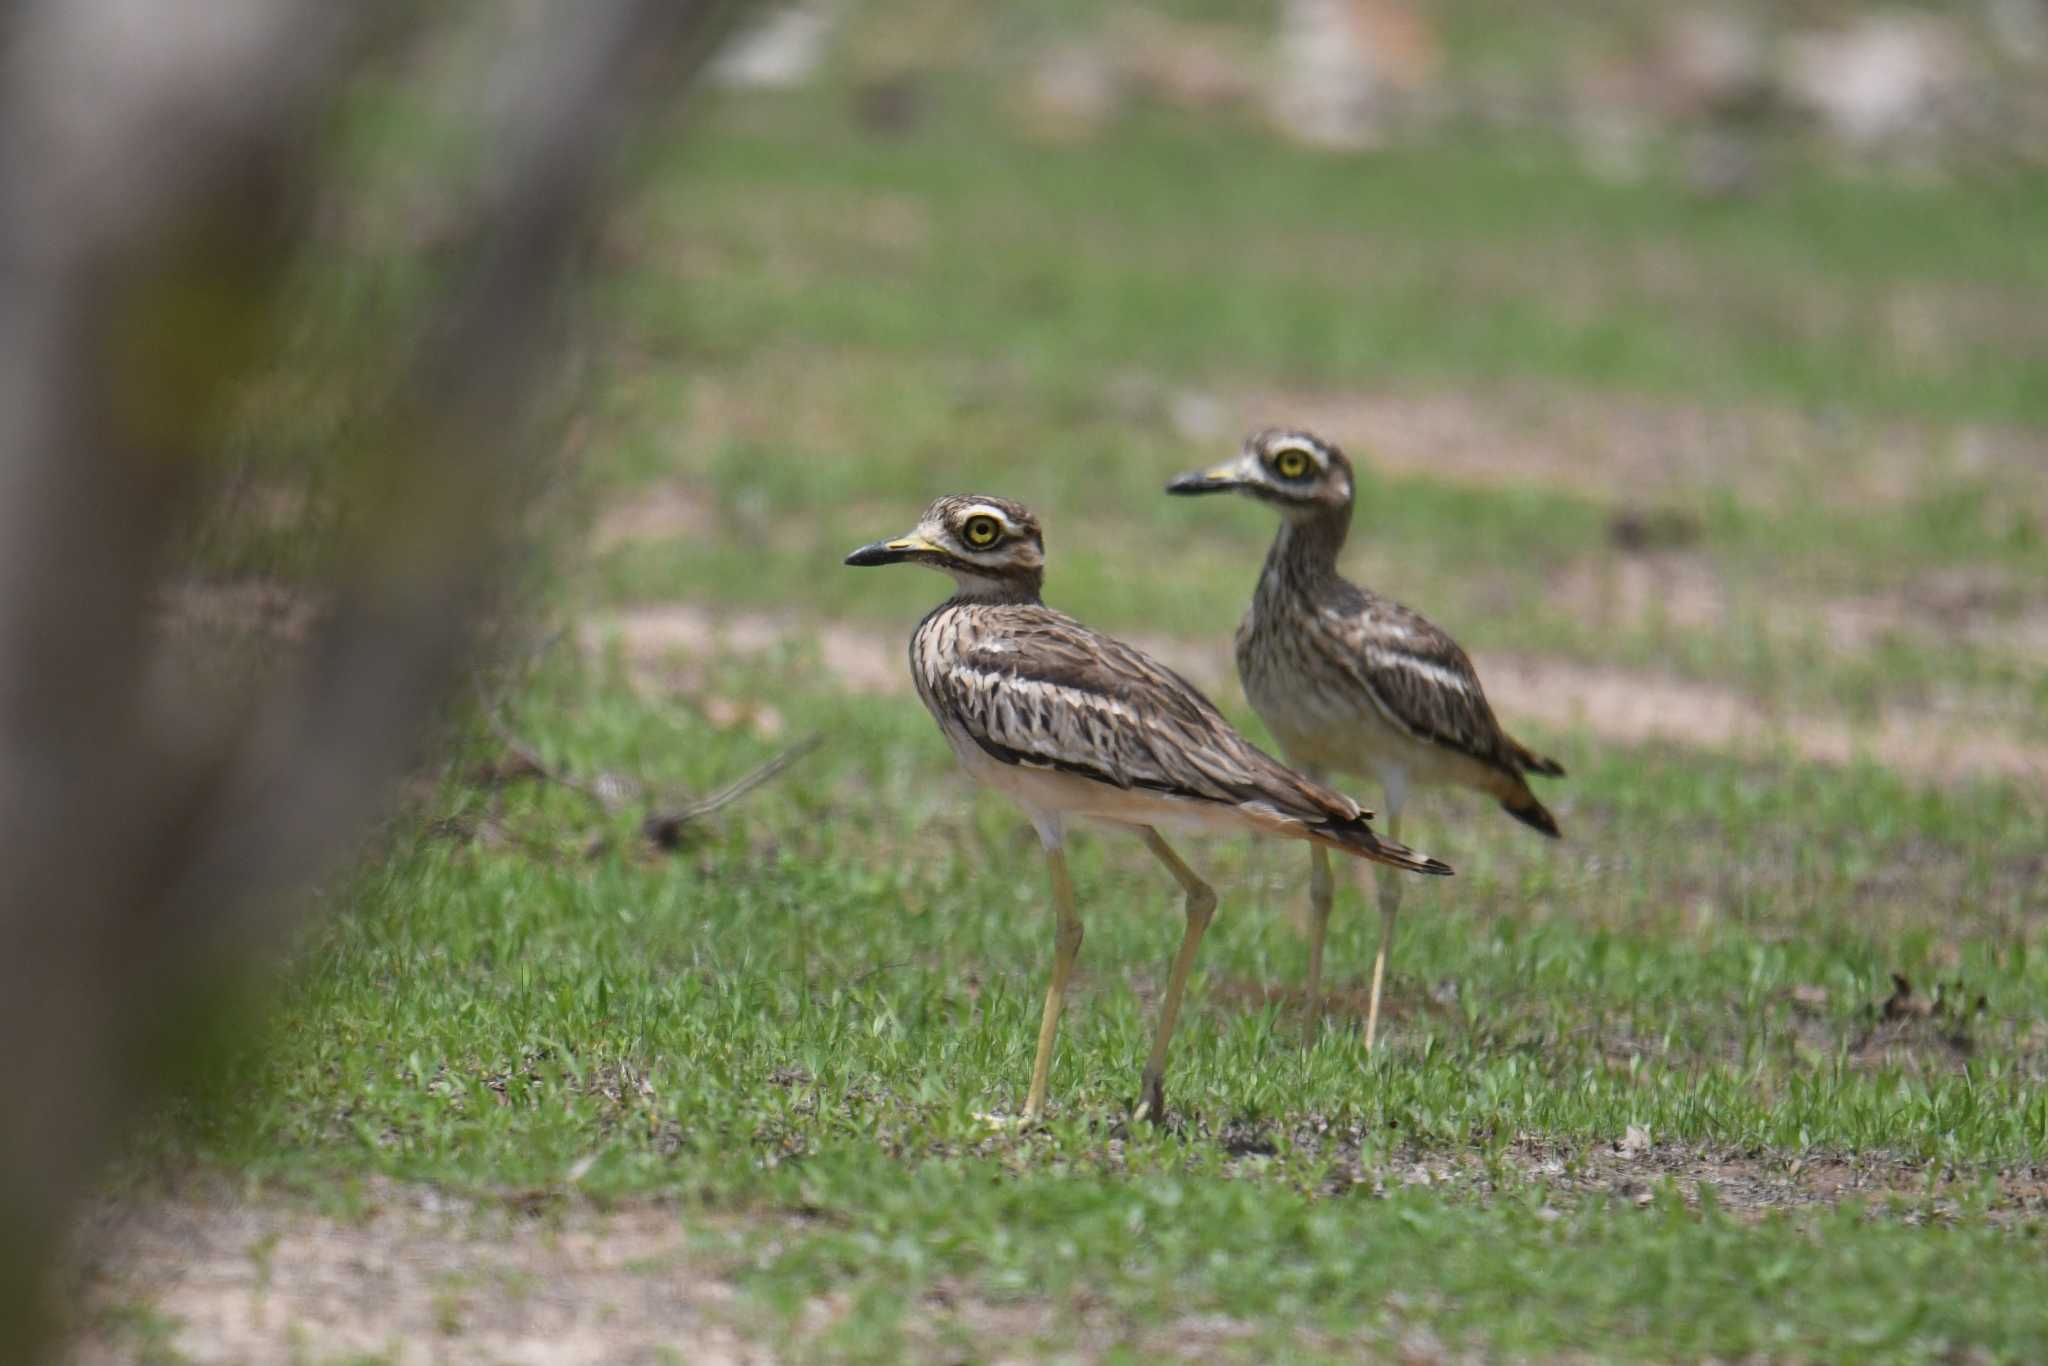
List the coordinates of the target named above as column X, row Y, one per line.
column 1323, row 659
column 1071, row 723
column 1350, row 681
column 1034, row 688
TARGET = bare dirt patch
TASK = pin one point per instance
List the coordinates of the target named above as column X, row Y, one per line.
column 1631, row 707
column 1612, row 447
column 1980, row 606
column 673, row 645
column 1987, row 608
column 206, row 1275
column 1680, row 590
column 662, row 512
column 1634, row 1166
column 422, row 1277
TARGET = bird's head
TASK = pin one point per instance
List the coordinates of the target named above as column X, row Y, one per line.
column 1296, row 471
column 991, row 546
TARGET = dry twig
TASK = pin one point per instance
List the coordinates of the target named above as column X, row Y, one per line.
column 666, row 829
column 667, row 826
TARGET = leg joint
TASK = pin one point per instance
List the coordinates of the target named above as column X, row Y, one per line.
column 1069, row 935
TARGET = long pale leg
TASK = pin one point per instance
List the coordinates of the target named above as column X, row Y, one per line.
column 1066, row 947
column 1390, row 906
column 1201, row 906
column 1321, row 893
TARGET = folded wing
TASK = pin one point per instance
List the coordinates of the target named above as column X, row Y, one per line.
column 1421, row 682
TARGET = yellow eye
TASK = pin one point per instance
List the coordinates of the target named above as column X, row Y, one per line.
column 1290, row 464
column 982, row 531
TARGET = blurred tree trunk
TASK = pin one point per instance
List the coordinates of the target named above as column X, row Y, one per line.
column 162, row 165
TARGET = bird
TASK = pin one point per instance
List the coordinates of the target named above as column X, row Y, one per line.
column 1352, row 682
column 1073, row 725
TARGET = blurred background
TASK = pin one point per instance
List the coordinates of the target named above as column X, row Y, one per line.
column 493, row 396
column 1691, row 352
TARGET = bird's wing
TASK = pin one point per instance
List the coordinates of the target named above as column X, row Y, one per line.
column 1042, row 690
column 1416, row 678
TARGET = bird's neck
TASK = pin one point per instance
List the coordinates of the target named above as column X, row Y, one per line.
column 1304, row 554
column 1010, row 590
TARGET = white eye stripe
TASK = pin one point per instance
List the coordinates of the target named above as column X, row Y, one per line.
column 1007, row 529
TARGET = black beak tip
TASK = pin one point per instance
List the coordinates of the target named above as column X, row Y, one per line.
column 867, row 557
column 1199, row 483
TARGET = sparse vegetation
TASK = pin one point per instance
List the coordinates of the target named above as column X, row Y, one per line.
column 1655, row 1093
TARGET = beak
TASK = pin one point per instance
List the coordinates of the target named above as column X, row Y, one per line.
column 891, row 552
column 1222, row 479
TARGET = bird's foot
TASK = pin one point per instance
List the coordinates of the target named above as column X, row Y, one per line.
column 1152, row 1109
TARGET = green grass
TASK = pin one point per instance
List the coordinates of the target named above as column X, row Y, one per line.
column 807, row 1013
column 1210, row 251
column 1350, row 1278
column 832, row 328
column 789, row 1028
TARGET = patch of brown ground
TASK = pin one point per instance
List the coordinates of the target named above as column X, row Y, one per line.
column 1628, row 707
column 1615, row 447
column 423, row 1277
column 1983, row 607
column 206, row 1275
column 1682, row 590
column 1945, row 744
column 662, row 512
column 1620, row 706
column 668, row 646
column 1635, row 1167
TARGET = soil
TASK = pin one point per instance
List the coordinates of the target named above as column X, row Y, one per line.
column 672, row 644
column 420, row 1276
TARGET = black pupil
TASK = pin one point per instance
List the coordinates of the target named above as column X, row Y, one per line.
column 981, row 531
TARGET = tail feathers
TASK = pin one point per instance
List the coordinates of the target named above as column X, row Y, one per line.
column 1360, row 840
column 1532, row 762
column 1524, row 807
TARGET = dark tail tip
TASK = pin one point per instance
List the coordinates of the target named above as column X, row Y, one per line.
column 1359, row 839
column 1540, row 764
column 1408, row 860
column 1524, row 807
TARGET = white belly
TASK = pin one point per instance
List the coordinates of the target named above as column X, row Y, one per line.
column 1052, row 798
column 1343, row 732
